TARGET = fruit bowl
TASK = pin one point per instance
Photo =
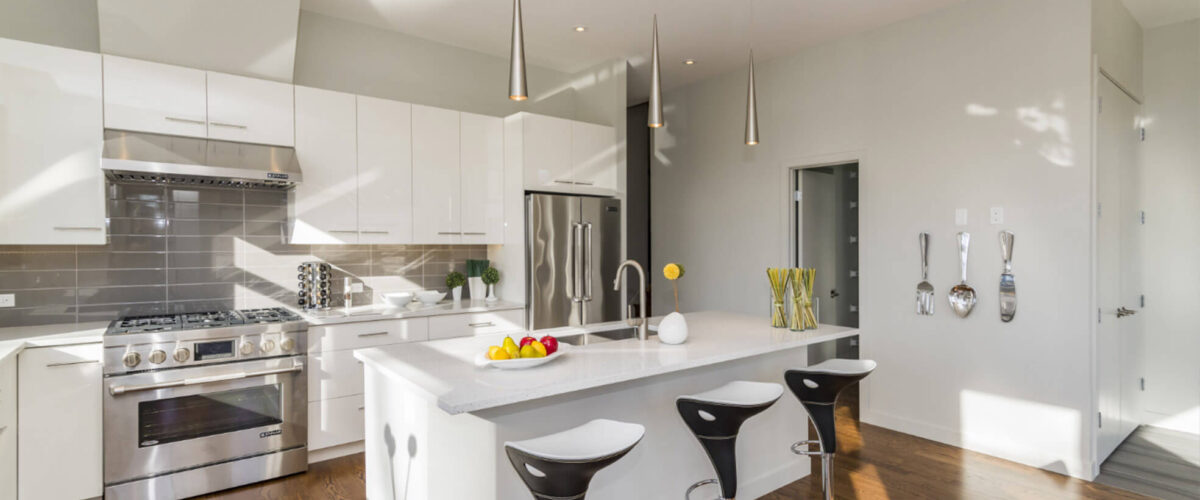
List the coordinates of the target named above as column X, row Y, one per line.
column 482, row 360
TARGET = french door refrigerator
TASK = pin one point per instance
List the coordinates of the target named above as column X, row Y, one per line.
column 572, row 254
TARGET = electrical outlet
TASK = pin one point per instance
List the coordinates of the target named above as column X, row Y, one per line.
column 8, row 300
column 960, row 217
column 356, row 288
column 997, row 215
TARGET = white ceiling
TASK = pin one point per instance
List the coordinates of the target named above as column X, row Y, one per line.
column 716, row 33
column 1155, row 13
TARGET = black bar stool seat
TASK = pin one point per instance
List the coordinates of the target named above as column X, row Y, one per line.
column 716, row 416
column 818, row 387
column 560, row 466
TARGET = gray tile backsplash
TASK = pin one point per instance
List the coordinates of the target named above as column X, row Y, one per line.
column 178, row 249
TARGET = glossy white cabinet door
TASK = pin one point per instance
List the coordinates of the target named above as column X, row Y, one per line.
column 437, row 194
column 8, row 428
column 547, row 155
column 153, row 97
column 51, row 136
column 481, row 153
column 325, row 203
column 59, row 410
column 250, row 110
column 593, row 158
column 385, row 190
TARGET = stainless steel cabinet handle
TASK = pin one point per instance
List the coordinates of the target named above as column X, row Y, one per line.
column 560, row 181
column 473, row 234
column 117, row 390
column 183, row 120
column 230, row 125
column 73, row 363
column 343, row 230
column 449, row 233
column 361, row 408
column 376, row 334
column 374, row 232
column 78, row 228
column 584, row 183
column 587, row 266
column 479, row 325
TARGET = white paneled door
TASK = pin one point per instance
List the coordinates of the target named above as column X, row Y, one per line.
column 385, row 189
column 325, row 204
column 437, row 193
column 481, row 155
column 151, row 97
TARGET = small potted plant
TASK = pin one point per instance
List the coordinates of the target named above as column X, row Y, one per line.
column 455, row 281
column 490, row 277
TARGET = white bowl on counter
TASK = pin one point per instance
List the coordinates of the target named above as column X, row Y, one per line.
column 481, row 360
column 430, row 297
column 398, row 299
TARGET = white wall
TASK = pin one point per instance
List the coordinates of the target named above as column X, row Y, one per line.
column 1117, row 42
column 63, row 23
column 982, row 104
column 1171, row 166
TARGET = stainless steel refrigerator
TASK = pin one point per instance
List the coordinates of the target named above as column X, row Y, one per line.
column 572, row 254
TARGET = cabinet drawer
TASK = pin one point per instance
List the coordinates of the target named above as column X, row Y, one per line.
column 465, row 325
column 335, row 421
column 366, row 334
column 334, row 374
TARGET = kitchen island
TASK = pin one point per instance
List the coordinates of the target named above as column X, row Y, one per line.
column 436, row 423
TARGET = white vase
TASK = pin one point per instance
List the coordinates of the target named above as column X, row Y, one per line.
column 673, row 329
column 456, row 292
column 492, row 293
column 476, row 287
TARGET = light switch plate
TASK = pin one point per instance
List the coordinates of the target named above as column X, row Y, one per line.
column 8, row 300
column 997, row 215
column 356, row 288
column 960, row 217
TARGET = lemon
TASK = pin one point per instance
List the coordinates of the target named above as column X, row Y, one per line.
column 491, row 354
column 528, row 351
column 500, row 355
column 673, row 271
column 539, row 348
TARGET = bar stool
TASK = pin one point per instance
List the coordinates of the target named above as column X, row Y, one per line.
column 817, row 387
column 560, row 466
column 715, row 417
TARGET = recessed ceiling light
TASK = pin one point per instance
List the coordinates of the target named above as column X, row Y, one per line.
column 689, row 62
column 580, row 29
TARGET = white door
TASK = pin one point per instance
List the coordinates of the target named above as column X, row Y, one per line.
column 325, row 202
column 547, row 155
column 481, row 153
column 51, row 136
column 60, row 435
column 437, row 194
column 385, row 189
column 250, row 110
column 152, row 97
column 1118, row 281
column 593, row 158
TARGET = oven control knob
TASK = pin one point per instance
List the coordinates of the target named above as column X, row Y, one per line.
column 268, row 345
column 158, row 356
column 287, row 344
column 247, row 348
column 132, row 359
column 182, row 354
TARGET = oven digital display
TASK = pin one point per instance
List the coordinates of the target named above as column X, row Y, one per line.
column 214, row 350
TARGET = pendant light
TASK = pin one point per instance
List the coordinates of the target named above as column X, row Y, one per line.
column 655, row 118
column 751, row 107
column 517, row 89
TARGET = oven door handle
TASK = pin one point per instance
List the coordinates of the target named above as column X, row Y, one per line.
column 117, row 390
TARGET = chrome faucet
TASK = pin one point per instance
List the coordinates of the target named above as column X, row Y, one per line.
column 642, row 326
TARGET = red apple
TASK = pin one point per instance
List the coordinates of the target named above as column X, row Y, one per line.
column 526, row 340
column 551, row 344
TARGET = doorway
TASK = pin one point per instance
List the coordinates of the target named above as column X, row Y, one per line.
column 826, row 217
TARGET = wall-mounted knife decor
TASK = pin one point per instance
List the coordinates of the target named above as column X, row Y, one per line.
column 1008, row 286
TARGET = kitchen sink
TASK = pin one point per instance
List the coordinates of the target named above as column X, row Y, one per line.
column 602, row 336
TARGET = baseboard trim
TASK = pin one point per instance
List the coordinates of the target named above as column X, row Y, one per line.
column 333, row 452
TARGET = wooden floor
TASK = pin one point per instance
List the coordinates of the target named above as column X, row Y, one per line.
column 872, row 462
column 1156, row 462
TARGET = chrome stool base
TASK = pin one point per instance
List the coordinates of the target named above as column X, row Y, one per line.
column 688, row 494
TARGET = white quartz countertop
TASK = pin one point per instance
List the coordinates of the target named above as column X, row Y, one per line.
column 15, row 338
column 377, row 312
column 445, row 369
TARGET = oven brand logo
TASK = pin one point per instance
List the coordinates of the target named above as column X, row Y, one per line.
column 275, row 432
column 276, row 175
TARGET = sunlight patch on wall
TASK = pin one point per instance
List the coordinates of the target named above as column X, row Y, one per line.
column 1000, row 426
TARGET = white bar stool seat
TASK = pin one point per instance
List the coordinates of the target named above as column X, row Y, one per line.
column 715, row 417
column 561, row 465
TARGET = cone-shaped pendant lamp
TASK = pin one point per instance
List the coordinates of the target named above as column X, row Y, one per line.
column 655, row 118
column 751, row 107
column 517, row 90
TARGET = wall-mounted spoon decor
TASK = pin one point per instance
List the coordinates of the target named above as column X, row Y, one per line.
column 962, row 296
column 1008, row 285
column 924, row 288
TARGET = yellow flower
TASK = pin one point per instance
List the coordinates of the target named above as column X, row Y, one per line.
column 673, row 271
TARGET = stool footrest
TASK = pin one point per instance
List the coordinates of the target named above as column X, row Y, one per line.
column 688, row 494
column 796, row 447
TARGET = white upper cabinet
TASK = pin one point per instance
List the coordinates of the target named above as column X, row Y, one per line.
column 385, row 189
column 547, row 155
column 51, row 137
column 325, row 205
column 250, row 110
column 481, row 155
column 151, row 97
column 437, row 192
column 593, row 157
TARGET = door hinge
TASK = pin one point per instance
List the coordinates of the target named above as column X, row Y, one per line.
column 1100, row 419
column 1099, row 209
column 1099, row 104
column 1143, row 382
column 1097, row 315
column 1142, row 301
column 1143, row 134
column 797, row 195
column 1142, row 214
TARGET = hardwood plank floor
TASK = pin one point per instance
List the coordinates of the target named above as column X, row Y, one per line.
column 1156, row 462
column 872, row 463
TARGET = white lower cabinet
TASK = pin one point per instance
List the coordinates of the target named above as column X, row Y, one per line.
column 334, row 374
column 333, row 422
column 60, row 438
column 472, row 324
column 8, row 428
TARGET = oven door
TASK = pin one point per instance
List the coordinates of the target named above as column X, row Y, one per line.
column 170, row 420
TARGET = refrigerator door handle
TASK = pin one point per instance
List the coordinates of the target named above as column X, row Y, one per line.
column 576, row 238
column 587, row 265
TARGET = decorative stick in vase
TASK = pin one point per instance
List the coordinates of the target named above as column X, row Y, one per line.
column 778, row 279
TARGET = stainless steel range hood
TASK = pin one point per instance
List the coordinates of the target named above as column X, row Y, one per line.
column 166, row 159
